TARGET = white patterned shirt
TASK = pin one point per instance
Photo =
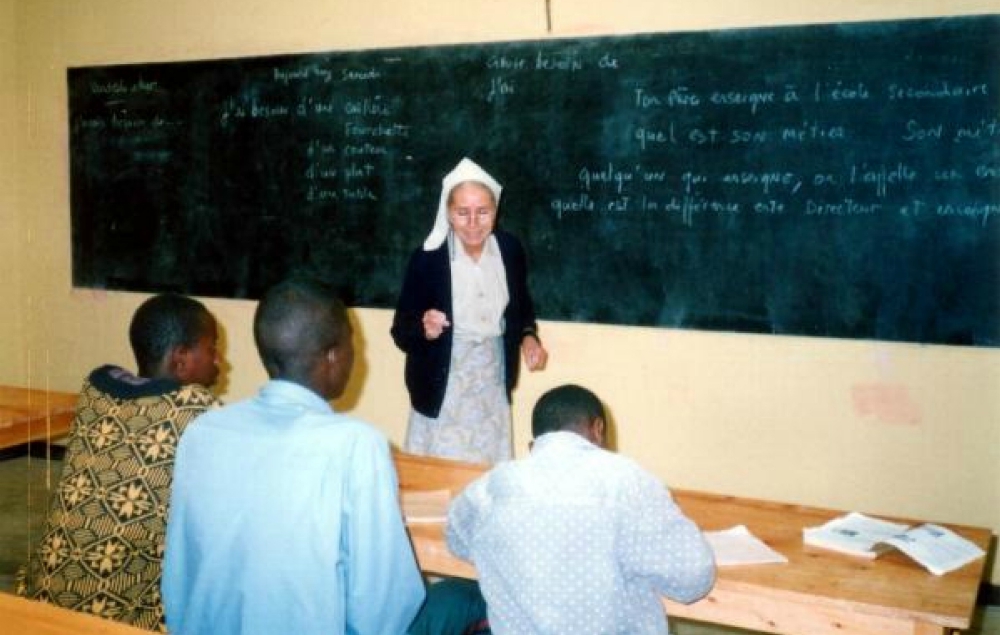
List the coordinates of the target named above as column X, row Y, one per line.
column 576, row 539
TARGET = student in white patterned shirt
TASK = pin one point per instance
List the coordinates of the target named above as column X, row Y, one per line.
column 576, row 539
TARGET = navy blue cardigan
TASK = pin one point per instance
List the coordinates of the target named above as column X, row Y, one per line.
column 427, row 285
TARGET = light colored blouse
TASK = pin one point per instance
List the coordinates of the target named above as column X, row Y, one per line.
column 479, row 292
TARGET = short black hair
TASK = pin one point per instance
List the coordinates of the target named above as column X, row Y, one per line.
column 567, row 407
column 162, row 323
column 297, row 321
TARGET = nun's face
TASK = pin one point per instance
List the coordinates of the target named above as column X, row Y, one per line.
column 472, row 212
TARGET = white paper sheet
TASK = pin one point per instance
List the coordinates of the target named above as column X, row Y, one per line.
column 737, row 546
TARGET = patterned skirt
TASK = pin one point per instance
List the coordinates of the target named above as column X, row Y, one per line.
column 474, row 422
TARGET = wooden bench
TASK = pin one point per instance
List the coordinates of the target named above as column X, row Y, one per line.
column 22, row 616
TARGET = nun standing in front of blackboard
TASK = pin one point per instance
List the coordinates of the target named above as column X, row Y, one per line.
column 463, row 314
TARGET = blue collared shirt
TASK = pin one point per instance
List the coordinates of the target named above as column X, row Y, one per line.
column 284, row 518
column 575, row 539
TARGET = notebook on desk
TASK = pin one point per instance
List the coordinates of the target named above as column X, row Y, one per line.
column 936, row 548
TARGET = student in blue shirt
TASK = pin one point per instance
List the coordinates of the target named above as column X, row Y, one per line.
column 284, row 515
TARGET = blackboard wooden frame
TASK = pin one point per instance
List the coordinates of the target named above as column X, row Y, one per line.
column 825, row 180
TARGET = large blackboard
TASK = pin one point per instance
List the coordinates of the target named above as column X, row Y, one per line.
column 831, row 180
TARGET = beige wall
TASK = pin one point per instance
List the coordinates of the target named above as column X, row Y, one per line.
column 884, row 428
column 12, row 338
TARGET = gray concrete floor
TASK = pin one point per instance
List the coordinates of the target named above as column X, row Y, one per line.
column 24, row 496
column 24, row 492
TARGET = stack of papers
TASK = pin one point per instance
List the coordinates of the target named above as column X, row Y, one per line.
column 854, row 534
column 737, row 546
column 937, row 549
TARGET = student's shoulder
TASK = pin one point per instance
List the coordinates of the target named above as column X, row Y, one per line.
column 625, row 471
column 616, row 461
column 342, row 428
column 500, row 477
column 196, row 396
column 117, row 385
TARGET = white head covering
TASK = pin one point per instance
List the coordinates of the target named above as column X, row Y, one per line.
column 466, row 170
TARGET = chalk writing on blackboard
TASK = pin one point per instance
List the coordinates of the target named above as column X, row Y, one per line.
column 831, row 180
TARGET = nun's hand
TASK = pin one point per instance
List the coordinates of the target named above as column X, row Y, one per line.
column 535, row 355
column 435, row 322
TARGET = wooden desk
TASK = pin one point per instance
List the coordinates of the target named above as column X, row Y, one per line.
column 421, row 473
column 816, row 593
column 34, row 415
column 21, row 616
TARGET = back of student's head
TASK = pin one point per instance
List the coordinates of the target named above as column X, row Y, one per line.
column 296, row 322
column 162, row 323
column 568, row 407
